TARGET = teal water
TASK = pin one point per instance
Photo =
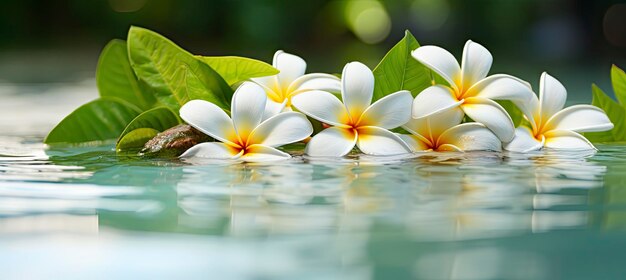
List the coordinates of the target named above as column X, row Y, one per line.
column 86, row 213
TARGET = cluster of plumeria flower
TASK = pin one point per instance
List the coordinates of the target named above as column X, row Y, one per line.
column 270, row 112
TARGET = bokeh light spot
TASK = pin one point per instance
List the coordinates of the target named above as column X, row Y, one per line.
column 614, row 25
column 430, row 14
column 369, row 20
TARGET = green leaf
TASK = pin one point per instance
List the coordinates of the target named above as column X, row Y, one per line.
column 115, row 77
column 174, row 75
column 618, row 79
column 102, row 119
column 235, row 69
column 616, row 114
column 398, row 70
column 136, row 139
column 160, row 118
column 516, row 114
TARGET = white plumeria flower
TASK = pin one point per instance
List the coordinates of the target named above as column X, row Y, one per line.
column 246, row 136
column 555, row 127
column 291, row 81
column 355, row 121
column 470, row 90
column 443, row 131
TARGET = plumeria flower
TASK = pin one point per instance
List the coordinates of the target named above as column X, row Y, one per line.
column 246, row 136
column 355, row 121
column 291, row 81
column 555, row 127
column 443, row 131
column 470, row 91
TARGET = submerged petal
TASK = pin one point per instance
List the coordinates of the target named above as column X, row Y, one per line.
column 332, row 142
column 432, row 100
column 322, row 106
column 379, row 141
column 471, row 137
column 580, row 118
column 261, row 153
column 565, row 139
column 213, row 150
column 552, row 95
column 492, row 115
column 210, row 120
column 524, row 141
column 357, row 82
column 389, row 112
column 475, row 64
column 281, row 129
column 316, row 81
column 290, row 66
column 441, row 61
column 247, row 108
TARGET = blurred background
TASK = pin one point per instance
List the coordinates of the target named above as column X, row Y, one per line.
column 576, row 41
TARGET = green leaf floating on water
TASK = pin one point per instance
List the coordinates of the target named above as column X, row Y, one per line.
column 235, row 69
column 174, row 75
column 136, row 138
column 116, row 78
column 160, row 119
column 615, row 112
column 102, row 119
column 398, row 70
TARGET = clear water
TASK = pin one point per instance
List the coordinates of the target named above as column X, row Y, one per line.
column 85, row 213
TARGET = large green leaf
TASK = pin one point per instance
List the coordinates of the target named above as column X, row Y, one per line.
column 136, row 139
column 235, row 69
column 616, row 114
column 399, row 71
column 175, row 75
column 618, row 79
column 160, row 118
column 102, row 119
column 115, row 77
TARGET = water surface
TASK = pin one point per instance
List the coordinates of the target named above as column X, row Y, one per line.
column 85, row 212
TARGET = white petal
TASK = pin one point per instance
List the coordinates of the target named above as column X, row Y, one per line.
column 564, row 139
column 290, row 66
column 332, row 142
column 580, row 118
column 316, row 81
column 261, row 153
column 322, row 106
column 552, row 95
column 471, row 137
column 389, row 112
column 281, row 129
column 379, row 141
column 209, row 119
column 432, row 100
column 247, row 108
column 475, row 64
column 214, row 150
column 524, row 141
column 492, row 115
column 357, row 82
column 272, row 108
column 432, row 126
column 441, row 61
column 506, row 87
column 414, row 142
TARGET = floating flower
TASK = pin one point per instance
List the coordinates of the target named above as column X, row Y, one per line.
column 246, row 136
column 291, row 81
column 470, row 91
column 555, row 127
column 443, row 131
column 355, row 121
